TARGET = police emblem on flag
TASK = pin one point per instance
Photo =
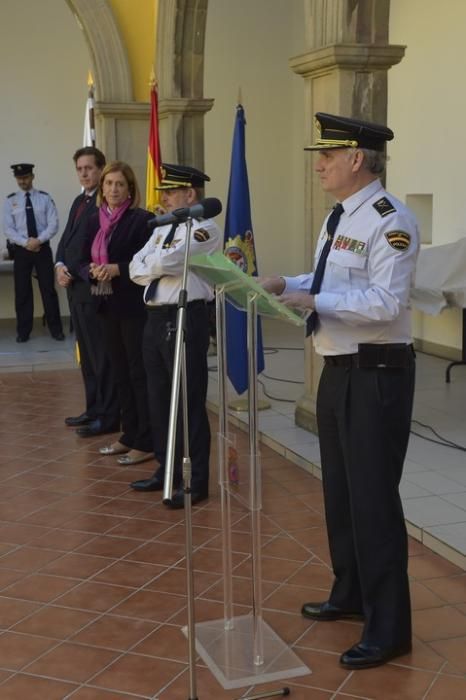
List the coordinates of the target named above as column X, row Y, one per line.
column 241, row 251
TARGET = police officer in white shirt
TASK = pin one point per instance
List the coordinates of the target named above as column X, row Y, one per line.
column 359, row 315
column 159, row 268
column 30, row 220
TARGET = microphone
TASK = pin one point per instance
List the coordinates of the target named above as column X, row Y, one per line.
column 206, row 209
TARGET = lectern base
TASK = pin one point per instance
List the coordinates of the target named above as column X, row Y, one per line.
column 229, row 654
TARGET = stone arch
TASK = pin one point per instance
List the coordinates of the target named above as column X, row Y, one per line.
column 110, row 61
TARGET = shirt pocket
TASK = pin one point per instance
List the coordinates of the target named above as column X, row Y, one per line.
column 348, row 266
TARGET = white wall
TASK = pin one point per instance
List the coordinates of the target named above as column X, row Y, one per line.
column 248, row 45
column 427, row 107
column 43, row 73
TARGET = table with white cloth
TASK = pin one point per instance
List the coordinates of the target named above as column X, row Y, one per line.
column 440, row 283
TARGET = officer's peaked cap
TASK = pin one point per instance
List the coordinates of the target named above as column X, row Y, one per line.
column 346, row 132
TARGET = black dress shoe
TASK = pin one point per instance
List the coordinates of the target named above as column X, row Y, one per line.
column 58, row 336
column 364, row 655
column 155, row 483
column 76, row 421
column 177, row 500
column 327, row 611
column 22, row 338
column 95, row 427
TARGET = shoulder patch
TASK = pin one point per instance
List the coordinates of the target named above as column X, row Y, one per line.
column 400, row 240
column 383, row 206
column 201, row 235
column 11, row 195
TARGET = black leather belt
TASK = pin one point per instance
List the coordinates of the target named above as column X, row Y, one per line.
column 170, row 308
column 373, row 355
column 342, row 360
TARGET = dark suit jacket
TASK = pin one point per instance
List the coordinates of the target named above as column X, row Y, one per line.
column 130, row 235
column 70, row 247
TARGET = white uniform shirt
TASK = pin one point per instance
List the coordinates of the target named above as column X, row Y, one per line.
column 364, row 297
column 155, row 261
column 14, row 216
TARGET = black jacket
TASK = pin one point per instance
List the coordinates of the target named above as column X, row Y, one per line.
column 130, row 235
column 70, row 247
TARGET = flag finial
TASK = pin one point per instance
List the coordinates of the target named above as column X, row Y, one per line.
column 240, row 96
column 90, row 80
column 152, row 78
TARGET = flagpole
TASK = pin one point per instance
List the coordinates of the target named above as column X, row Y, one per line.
column 90, row 95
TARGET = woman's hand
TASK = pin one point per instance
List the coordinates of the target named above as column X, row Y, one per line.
column 104, row 273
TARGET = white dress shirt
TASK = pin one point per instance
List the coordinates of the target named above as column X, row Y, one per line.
column 14, row 216
column 364, row 297
column 165, row 263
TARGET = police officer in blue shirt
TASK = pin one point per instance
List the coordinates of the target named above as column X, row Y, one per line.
column 359, row 315
column 30, row 220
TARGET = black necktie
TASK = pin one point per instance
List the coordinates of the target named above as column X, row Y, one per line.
column 30, row 218
column 332, row 224
column 152, row 288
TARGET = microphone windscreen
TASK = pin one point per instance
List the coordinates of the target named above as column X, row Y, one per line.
column 211, row 207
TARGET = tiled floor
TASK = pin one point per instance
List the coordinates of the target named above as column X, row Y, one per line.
column 92, row 575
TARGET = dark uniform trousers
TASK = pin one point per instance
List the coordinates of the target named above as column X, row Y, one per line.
column 25, row 262
column 159, row 352
column 123, row 343
column 364, row 420
column 98, row 377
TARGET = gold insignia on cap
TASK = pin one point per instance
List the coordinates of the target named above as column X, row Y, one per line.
column 163, row 173
column 399, row 240
column 201, row 235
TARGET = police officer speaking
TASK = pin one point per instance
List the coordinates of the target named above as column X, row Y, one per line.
column 359, row 316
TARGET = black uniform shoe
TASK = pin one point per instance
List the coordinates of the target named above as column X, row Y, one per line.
column 367, row 656
column 58, row 336
column 95, row 427
column 155, row 483
column 22, row 338
column 327, row 611
column 76, row 421
column 177, row 500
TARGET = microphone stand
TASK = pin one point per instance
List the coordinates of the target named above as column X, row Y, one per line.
column 180, row 378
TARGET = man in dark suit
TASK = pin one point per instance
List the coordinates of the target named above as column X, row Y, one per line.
column 101, row 414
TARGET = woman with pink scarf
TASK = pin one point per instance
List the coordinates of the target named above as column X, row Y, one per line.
column 116, row 233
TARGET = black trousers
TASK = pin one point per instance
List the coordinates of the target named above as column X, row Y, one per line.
column 364, row 420
column 123, row 343
column 25, row 262
column 159, row 352
column 98, row 377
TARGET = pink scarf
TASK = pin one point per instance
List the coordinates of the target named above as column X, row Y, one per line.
column 107, row 220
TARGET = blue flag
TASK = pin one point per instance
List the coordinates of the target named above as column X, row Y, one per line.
column 239, row 247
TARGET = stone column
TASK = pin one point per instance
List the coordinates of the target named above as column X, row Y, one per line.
column 180, row 72
column 345, row 72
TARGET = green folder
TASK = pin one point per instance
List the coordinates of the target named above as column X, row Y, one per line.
column 218, row 270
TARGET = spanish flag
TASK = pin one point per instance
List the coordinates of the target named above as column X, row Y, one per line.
column 154, row 159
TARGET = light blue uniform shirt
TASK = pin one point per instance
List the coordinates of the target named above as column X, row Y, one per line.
column 365, row 292
column 14, row 216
